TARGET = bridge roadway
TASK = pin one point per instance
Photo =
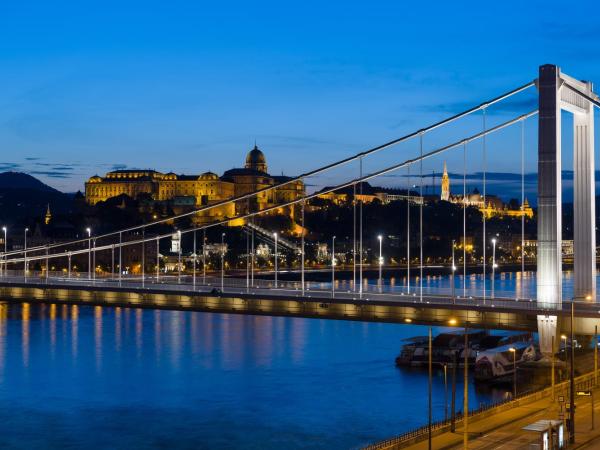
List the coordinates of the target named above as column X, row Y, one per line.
column 440, row 309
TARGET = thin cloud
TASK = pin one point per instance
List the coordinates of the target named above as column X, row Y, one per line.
column 51, row 173
column 508, row 106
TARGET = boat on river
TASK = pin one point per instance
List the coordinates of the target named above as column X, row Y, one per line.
column 448, row 348
column 499, row 364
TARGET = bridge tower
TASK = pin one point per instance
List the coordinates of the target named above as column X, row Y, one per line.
column 553, row 98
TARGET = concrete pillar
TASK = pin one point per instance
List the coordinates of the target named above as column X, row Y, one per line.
column 584, row 204
column 549, row 258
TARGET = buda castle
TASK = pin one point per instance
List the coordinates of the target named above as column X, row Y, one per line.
column 194, row 191
column 493, row 206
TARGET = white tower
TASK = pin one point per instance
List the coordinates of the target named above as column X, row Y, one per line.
column 553, row 97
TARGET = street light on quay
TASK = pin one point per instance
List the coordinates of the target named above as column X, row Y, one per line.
column 89, row 232
column 276, row 258
column 494, row 265
column 563, row 339
column 380, row 238
column 333, row 267
column 514, row 353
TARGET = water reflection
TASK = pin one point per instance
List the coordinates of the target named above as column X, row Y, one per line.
column 506, row 284
column 74, row 331
column 71, row 374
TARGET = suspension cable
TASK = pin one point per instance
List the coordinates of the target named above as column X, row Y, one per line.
column 464, row 219
column 361, row 179
column 353, row 238
column 522, row 205
column 484, row 203
column 310, row 173
column 302, row 248
column 583, row 94
column 360, row 231
column 421, row 219
column 408, row 232
column 204, row 254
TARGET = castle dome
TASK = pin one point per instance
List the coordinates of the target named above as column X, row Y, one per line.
column 256, row 160
column 208, row 176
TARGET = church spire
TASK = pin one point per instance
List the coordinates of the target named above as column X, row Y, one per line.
column 48, row 216
column 445, row 195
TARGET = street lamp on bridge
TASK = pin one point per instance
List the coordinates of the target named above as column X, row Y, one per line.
column 380, row 238
column 494, row 265
column 222, row 260
column 89, row 232
column 276, row 258
column 333, row 267
column 453, row 269
column 178, row 256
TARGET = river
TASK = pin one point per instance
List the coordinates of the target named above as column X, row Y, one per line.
column 99, row 377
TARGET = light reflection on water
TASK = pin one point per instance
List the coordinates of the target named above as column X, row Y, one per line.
column 97, row 377
column 505, row 284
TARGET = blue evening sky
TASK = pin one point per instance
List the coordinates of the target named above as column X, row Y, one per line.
column 189, row 86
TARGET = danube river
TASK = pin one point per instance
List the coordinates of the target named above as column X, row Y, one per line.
column 100, row 377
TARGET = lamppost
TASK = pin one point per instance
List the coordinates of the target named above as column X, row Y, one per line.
column 514, row 353
column 178, row 256
column 5, row 250
column 493, row 265
column 25, row 253
column 445, row 391
column 563, row 338
column 276, row 258
column 89, row 232
column 380, row 238
column 333, row 267
column 453, row 270
column 222, row 260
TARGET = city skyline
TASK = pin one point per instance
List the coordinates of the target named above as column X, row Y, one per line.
column 309, row 225
column 97, row 93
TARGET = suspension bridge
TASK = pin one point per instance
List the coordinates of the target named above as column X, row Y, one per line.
column 413, row 302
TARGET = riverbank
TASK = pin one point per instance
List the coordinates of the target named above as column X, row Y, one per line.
column 503, row 425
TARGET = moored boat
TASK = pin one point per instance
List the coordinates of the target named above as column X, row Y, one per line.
column 498, row 364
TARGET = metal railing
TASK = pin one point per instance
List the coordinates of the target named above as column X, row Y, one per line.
column 583, row 382
column 313, row 290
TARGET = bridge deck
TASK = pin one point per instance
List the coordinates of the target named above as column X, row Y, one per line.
column 496, row 313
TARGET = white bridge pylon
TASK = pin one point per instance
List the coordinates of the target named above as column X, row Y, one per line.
column 557, row 92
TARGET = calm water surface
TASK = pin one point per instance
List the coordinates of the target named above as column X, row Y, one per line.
column 75, row 377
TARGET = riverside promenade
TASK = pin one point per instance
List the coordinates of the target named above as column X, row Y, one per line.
column 500, row 427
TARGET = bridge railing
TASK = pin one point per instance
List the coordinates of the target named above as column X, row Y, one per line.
column 292, row 289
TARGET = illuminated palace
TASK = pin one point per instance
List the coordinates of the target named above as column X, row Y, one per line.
column 493, row 205
column 194, row 191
